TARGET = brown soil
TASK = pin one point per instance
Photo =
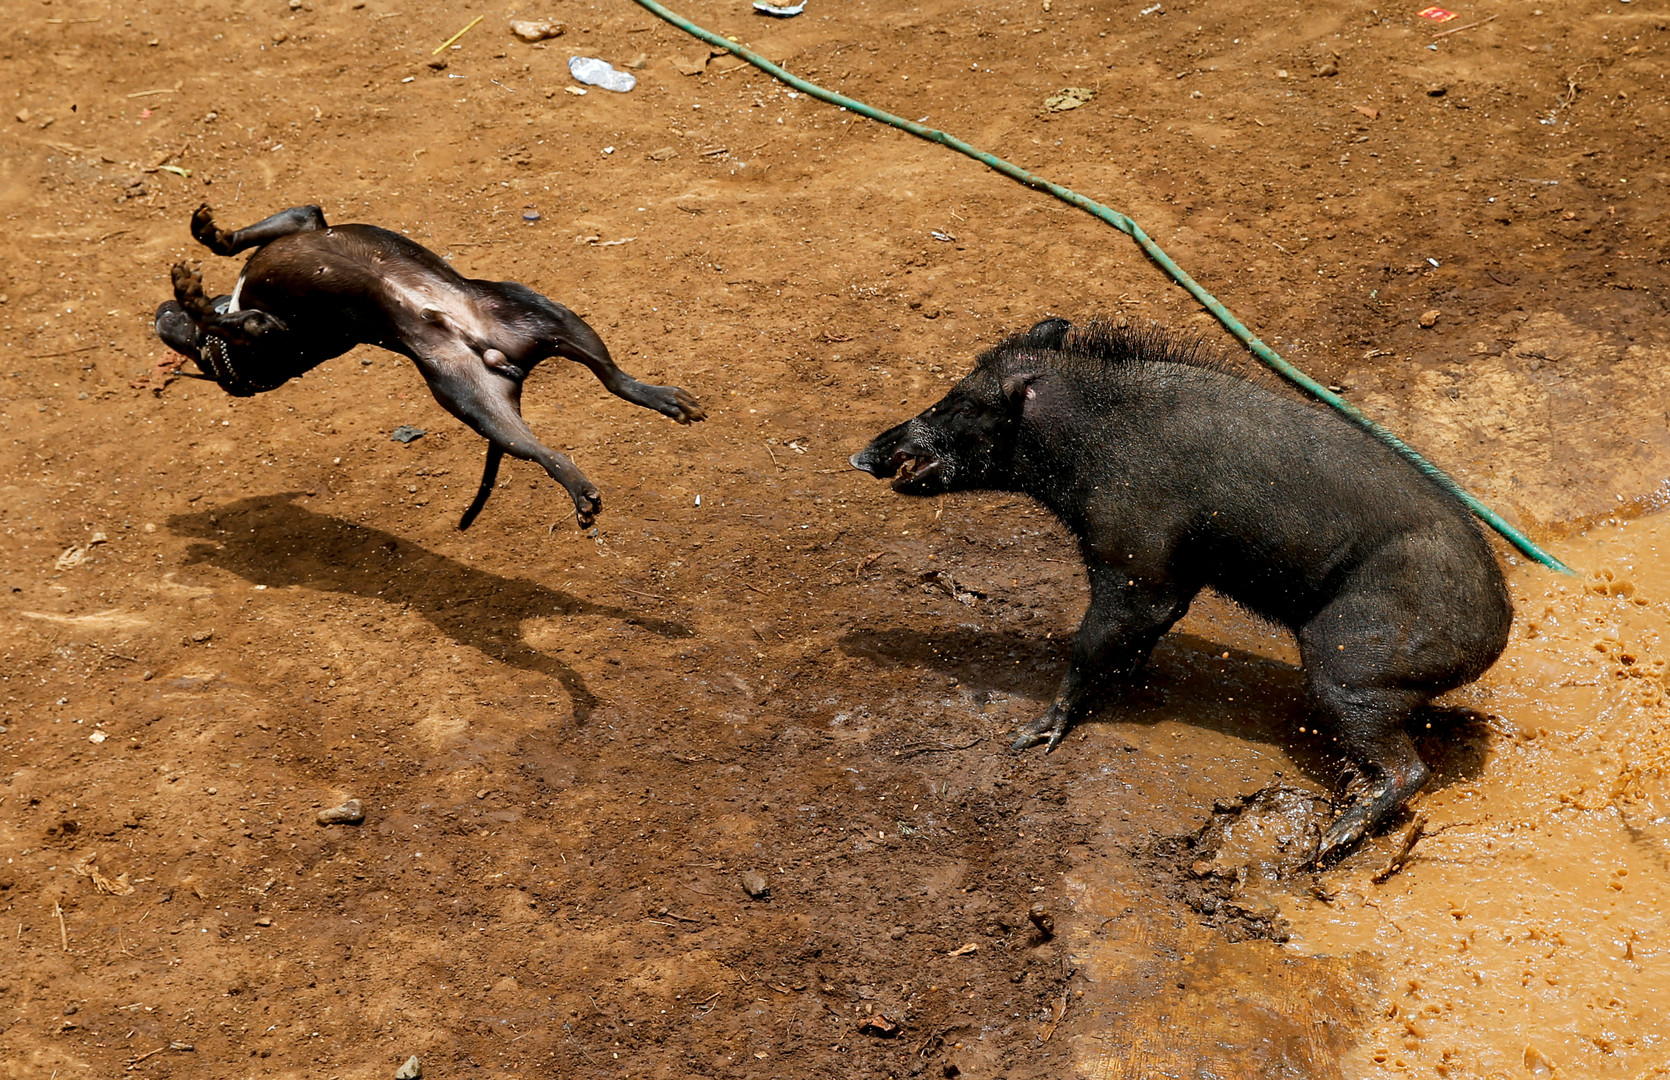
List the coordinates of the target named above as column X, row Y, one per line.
column 571, row 750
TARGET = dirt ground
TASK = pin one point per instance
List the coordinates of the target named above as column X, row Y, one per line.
column 222, row 615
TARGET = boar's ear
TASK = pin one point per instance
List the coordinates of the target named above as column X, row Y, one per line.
column 1048, row 334
column 1018, row 387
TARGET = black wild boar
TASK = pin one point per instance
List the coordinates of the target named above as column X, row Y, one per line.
column 1175, row 475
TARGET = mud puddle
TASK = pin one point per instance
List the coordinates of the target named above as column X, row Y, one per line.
column 1522, row 936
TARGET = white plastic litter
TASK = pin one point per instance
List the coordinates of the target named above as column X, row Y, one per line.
column 779, row 12
column 595, row 72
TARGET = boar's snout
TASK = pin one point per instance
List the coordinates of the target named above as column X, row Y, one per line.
column 882, row 457
column 868, row 460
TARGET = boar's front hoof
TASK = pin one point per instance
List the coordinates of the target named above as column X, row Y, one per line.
column 1344, row 834
column 1374, row 802
column 1048, row 729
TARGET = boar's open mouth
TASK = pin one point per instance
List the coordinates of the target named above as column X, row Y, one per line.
column 915, row 470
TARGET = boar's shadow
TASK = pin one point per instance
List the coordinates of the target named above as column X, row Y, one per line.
column 269, row 540
column 1187, row 679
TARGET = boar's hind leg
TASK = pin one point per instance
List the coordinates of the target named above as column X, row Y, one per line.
column 1125, row 620
column 1368, row 717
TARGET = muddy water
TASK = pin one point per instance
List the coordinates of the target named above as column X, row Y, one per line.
column 1527, row 935
column 1530, row 935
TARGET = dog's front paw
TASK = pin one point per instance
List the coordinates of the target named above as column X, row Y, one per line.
column 671, row 401
column 587, row 505
column 188, row 290
column 243, row 327
column 689, row 410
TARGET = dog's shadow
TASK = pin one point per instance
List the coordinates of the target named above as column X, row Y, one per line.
column 270, row 540
column 1188, row 679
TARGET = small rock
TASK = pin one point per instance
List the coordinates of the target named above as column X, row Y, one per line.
column 437, row 64
column 1437, row 91
column 202, row 635
column 1327, row 70
column 1043, row 920
column 23, row 116
column 506, row 985
column 879, row 1026
column 664, row 153
column 641, row 61
column 349, row 813
column 264, row 921
column 406, row 433
column 1429, row 319
column 531, row 30
column 412, row 1070
column 280, row 37
column 1070, row 98
column 755, row 884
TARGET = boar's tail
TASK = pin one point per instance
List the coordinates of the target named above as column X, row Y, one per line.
column 489, row 476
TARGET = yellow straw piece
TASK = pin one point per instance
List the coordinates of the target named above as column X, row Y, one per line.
column 458, row 35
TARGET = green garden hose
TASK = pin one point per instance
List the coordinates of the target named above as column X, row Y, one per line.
column 1265, row 354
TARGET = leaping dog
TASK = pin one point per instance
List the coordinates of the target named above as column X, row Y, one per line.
column 312, row 291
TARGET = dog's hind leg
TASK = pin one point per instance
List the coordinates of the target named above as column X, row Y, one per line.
column 221, row 242
column 572, row 339
column 491, row 404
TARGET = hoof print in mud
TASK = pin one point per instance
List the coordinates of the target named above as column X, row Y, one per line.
column 1233, row 869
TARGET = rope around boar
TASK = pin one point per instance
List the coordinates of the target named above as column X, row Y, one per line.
column 1263, row 352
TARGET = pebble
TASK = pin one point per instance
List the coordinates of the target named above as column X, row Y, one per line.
column 532, row 30
column 1429, row 319
column 664, row 153
column 412, row 1070
column 349, row 813
column 755, row 884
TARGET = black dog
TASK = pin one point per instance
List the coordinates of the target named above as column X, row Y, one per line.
column 313, row 291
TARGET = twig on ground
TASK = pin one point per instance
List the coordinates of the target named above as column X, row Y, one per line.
column 1065, row 991
column 1459, row 29
column 65, row 352
column 937, row 748
column 458, row 35
column 1401, row 859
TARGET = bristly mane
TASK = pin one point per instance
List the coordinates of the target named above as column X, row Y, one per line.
column 1104, row 346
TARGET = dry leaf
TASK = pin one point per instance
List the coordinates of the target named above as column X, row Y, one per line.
column 87, row 867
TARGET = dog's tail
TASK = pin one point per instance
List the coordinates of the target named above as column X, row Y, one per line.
column 489, row 476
